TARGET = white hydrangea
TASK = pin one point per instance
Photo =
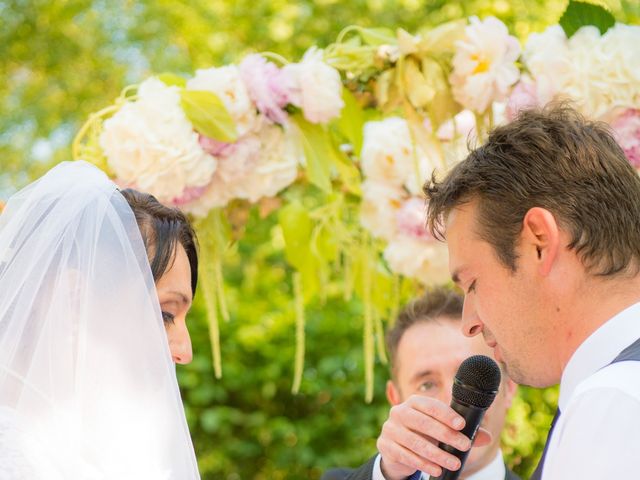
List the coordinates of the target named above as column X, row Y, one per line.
column 484, row 65
column 379, row 208
column 318, row 89
column 150, row 143
column 424, row 260
column 227, row 84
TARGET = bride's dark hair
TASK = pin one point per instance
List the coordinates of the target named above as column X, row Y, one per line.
column 162, row 229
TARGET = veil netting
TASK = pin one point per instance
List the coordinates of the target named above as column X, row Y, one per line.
column 88, row 388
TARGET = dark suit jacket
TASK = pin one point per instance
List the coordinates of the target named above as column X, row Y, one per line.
column 365, row 472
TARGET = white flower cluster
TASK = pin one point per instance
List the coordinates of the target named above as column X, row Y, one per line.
column 598, row 72
column 150, row 144
column 392, row 208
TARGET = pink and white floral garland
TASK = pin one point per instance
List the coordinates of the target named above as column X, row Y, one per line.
column 149, row 143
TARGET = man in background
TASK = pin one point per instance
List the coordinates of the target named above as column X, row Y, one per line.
column 426, row 349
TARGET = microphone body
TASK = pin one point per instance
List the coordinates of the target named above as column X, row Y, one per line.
column 474, row 388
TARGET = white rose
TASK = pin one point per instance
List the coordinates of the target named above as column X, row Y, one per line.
column 484, row 64
column 426, row 261
column 379, row 208
column 151, row 144
column 318, row 89
column 227, row 84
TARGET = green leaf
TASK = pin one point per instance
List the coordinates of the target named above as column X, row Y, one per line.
column 580, row 14
column 296, row 227
column 351, row 120
column 208, row 115
column 377, row 36
column 317, row 151
column 297, row 230
column 171, row 79
column 349, row 173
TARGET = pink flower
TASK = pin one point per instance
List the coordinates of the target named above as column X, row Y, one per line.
column 523, row 96
column 212, row 146
column 626, row 128
column 411, row 219
column 189, row 195
column 268, row 86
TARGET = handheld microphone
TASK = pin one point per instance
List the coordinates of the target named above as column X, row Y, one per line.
column 474, row 387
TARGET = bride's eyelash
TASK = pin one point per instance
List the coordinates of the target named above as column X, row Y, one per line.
column 168, row 318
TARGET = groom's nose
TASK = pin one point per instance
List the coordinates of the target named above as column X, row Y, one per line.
column 180, row 344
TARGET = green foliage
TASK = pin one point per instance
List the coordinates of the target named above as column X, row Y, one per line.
column 579, row 14
column 208, row 115
column 317, row 152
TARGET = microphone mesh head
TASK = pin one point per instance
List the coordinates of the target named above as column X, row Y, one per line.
column 477, row 381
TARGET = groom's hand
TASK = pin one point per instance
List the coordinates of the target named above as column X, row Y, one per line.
column 409, row 438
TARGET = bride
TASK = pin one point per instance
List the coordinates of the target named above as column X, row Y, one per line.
column 91, row 323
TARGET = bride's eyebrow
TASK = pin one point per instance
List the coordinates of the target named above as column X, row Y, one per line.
column 183, row 298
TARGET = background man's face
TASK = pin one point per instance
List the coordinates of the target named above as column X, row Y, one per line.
column 427, row 359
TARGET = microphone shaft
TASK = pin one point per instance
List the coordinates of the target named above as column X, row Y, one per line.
column 472, row 416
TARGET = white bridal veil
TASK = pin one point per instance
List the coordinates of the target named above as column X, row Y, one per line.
column 87, row 386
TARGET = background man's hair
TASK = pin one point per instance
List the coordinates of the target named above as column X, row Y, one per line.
column 439, row 302
column 554, row 159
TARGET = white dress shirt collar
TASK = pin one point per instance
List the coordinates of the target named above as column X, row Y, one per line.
column 493, row 471
column 599, row 349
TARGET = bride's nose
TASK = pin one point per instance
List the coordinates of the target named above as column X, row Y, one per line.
column 180, row 344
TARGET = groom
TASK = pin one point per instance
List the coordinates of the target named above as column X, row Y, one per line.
column 543, row 231
column 426, row 349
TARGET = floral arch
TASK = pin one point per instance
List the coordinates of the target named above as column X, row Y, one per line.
column 356, row 127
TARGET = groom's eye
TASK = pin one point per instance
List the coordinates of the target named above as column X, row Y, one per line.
column 168, row 317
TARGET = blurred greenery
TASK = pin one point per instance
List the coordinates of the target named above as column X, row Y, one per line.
column 61, row 60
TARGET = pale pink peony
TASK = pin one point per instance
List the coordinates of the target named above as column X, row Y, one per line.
column 150, row 142
column 484, row 65
column 226, row 84
column 269, row 87
column 388, row 151
column 212, row 146
column 380, row 203
column 256, row 166
column 425, row 260
column 523, row 96
column 318, row 88
column 626, row 128
column 549, row 61
column 411, row 219
column 190, row 194
column 462, row 125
